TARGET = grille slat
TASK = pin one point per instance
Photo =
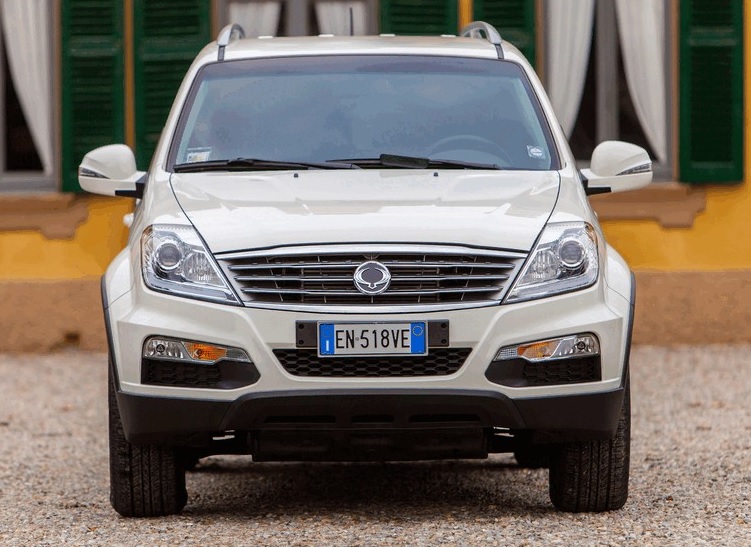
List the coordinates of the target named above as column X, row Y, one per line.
column 288, row 278
column 354, row 292
column 273, row 266
column 332, row 265
column 421, row 276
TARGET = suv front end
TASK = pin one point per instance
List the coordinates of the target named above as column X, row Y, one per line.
column 374, row 309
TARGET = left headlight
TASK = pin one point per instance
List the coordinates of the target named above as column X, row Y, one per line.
column 175, row 260
column 564, row 259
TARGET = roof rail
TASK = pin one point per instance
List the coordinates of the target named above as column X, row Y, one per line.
column 477, row 28
column 225, row 37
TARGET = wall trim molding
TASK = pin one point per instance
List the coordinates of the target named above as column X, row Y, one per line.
column 55, row 215
column 672, row 204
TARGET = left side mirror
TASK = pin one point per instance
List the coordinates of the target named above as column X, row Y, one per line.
column 111, row 171
column 616, row 167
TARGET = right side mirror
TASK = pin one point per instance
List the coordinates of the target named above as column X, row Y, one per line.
column 616, row 167
column 111, row 171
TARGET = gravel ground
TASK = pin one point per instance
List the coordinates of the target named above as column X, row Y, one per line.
column 690, row 474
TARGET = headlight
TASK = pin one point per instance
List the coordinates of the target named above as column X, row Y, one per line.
column 564, row 259
column 175, row 260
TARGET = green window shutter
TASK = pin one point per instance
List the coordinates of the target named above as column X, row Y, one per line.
column 93, row 95
column 711, row 91
column 168, row 34
column 425, row 17
column 514, row 19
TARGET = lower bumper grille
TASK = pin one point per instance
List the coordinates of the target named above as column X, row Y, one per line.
column 439, row 362
column 564, row 372
column 522, row 373
column 221, row 375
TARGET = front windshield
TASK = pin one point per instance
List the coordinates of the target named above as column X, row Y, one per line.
column 319, row 109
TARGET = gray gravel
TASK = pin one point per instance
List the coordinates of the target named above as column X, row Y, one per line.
column 690, row 474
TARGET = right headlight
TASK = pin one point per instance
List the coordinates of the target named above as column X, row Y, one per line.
column 564, row 259
column 175, row 260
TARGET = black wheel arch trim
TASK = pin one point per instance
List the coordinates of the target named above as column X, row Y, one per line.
column 629, row 333
column 108, row 331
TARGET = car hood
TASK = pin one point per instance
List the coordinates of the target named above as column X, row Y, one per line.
column 495, row 209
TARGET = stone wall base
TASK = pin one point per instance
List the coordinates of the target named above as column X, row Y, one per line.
column 672, row 308
column 40, row 316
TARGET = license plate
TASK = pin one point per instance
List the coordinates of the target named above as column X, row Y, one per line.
column 358, row 339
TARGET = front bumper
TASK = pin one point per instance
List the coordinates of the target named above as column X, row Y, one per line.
column 193, row 422
column 466, row 399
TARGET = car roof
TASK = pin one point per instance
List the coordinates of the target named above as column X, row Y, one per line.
column 359, row 45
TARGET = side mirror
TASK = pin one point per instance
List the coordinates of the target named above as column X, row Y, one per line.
column 111, row 171
column 616, row 167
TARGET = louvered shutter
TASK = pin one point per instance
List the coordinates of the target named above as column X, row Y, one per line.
column 514, row 19
column 426, row 17
column 711, row 91
column 92, row 81
column 168, row 35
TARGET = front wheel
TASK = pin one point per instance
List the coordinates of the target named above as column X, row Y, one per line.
column 145, row 481
column 593, row 476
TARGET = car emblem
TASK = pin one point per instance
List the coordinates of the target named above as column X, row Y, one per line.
column 372, row 278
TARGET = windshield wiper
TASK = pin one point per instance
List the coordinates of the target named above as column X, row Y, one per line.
column 254, row 164
column 414, row 162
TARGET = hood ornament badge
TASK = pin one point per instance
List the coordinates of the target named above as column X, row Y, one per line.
column 372, row 278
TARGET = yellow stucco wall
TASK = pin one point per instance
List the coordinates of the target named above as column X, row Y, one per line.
column 28, row 255
column 719, row 239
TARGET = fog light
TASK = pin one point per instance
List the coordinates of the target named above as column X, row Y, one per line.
column 578, row 345
column 186, row 350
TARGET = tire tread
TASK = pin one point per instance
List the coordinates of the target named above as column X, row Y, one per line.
column 593, row 476
column 145, row 481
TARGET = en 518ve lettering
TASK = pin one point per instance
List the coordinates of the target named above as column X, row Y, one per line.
column 371, row 339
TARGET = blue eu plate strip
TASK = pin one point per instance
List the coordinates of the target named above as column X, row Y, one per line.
column 326, row 339
column 417, row 331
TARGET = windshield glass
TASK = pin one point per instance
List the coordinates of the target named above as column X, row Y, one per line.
column 319, row 109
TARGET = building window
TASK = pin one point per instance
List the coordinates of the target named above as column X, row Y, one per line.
column 609, row 77
column 301, row 17
column 28, row 156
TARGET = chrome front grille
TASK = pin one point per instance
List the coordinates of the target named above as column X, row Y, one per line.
column 323, row 276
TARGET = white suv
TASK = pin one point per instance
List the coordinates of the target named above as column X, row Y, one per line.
column 366, row 249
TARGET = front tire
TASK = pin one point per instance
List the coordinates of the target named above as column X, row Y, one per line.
column 145, row 481
column 593, row 476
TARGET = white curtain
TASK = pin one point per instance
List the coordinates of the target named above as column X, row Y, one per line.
column 27, row 34
column 641, row 24
column 569, row 26
column 256, row 18
column 334, row 18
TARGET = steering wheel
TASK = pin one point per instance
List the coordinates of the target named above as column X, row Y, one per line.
column 470, row 142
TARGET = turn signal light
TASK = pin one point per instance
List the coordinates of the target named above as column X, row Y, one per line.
column 578, row 345
column 205, row 352
column 187, row 350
